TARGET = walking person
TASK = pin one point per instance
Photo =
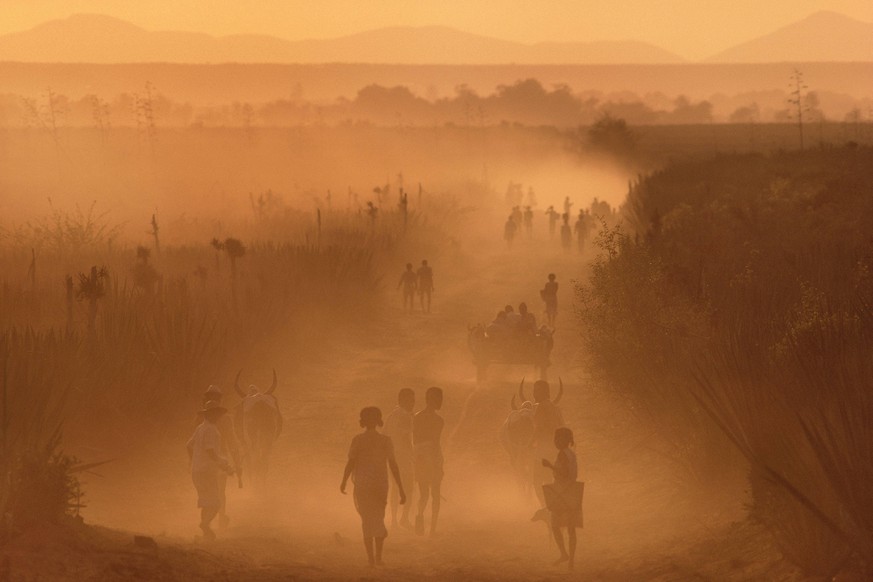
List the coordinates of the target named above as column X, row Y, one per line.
column 408, row 280
column 425, row 285
column 566, row 232
column 564, row 495
column 370, row 456
column 553, row 215
column 207, row 463
column 549, row 295
column 509, row 230
column 398, row 426
column 230, row 449
column 427, row 429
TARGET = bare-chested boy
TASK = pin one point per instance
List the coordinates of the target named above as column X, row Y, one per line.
column 398, row 426
column 370, row 455
column 427, row 428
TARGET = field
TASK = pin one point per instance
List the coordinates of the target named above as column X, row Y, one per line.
column 196, row 253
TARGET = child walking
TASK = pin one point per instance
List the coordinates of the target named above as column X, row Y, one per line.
column 370, row 456
column 564, row 496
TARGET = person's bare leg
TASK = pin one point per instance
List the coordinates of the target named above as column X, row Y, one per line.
column 423, row 492
column 207, row 514
column 559, row 538
column 435, row 508
column 380, row 542
column 404, row 517
column 368, row 545
column 223, row 520
column 395, row 501
column 571, row 537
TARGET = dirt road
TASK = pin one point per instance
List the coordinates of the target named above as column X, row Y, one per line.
column 640, row 522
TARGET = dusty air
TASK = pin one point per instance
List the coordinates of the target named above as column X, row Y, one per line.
column 435, row 292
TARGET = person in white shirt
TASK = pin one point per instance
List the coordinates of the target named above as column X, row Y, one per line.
column 207, row 463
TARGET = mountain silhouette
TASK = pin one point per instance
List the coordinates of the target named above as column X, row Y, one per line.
column 821, row 37
column 94, row 38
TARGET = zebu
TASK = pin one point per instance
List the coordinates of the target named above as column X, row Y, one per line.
column 258, row 423
column 547, row 417
column 516, row 435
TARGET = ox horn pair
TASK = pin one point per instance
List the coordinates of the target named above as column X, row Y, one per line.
column 242, row 394
column 555, row 401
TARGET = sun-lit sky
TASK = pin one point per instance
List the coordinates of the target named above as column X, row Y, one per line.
column 690, row 28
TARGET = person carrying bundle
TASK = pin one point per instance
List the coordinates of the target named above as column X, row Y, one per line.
column 564, row 496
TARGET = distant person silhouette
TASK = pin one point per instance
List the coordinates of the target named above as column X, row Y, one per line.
column 509, row 231
column 566, row 233
column 207, row 463
column 528, row 221
column 425, row 285
column 553, row 215
column 549, row 295
column 427, row 429
column 581, row 229
column 370, row 455
column 517, row 216
column 408, row 280
column 567, row 205
column 398, row 426
column 564, row 495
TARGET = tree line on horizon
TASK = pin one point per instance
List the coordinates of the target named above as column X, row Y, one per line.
column 526, row 102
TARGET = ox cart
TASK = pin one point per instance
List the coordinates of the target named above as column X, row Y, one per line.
column 531, row 349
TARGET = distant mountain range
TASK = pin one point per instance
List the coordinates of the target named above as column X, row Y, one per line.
column 92, row 38
column 821, row 37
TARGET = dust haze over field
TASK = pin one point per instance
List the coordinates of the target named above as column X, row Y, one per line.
column 711, row 337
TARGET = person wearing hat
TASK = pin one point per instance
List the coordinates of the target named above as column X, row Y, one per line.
column 229, row 449
column 370, row 455
column 207, row 464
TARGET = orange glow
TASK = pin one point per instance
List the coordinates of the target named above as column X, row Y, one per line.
column 692, row 29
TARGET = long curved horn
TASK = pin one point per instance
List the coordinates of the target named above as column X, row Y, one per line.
column 274, row 384
column 236, row 385
column 512, row 403
column 521, row 391
column 560, row 391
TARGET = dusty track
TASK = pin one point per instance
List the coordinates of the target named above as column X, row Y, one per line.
column 639, row 520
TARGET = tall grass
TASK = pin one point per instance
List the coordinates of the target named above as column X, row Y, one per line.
column 134, row 358
column 747, row 291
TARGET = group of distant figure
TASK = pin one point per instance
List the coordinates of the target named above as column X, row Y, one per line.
column 586, row 222
column 417, row 282
column 510, row 323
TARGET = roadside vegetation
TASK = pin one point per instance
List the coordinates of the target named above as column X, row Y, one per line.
column 732, row 311
column 104, row 341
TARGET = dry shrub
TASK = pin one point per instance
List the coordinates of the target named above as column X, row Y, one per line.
column 765, row 261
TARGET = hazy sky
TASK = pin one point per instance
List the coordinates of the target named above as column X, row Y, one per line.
column 690, row 28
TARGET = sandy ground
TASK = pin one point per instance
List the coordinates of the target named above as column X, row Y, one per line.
column 641, row 522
